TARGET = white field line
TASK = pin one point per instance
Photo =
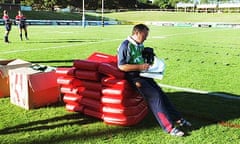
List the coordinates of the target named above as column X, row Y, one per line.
column 162, row 85
column 57, row 47
column 189, row 33
column 195, row 90
column 199, row 91
column 87, row 43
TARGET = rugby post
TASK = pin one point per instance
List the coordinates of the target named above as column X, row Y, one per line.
column 83, row 14
column 102, row 13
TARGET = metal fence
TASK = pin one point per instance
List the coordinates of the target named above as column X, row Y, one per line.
column 66, row 22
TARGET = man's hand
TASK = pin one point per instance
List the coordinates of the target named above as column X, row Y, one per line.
column 144, row 67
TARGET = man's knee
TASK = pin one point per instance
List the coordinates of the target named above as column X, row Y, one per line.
column 138, row 84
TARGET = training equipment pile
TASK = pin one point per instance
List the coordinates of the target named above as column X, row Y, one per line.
column 97, row 88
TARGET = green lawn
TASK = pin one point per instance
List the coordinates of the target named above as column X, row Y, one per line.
column 135, row 16
column 175, row 16
column 199, row 58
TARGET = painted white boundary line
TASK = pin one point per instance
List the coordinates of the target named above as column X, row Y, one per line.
column 199, row 91
column 102, row 41
column 56, row 47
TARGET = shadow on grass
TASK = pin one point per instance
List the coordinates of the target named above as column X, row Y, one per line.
column 201, row 110
column 53, row 61
column 46, row 124
column 65, row 41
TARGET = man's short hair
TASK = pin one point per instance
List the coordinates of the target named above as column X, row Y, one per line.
column 140, row 28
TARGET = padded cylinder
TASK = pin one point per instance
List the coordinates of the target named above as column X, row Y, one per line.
column 113, row 101
column 69, row 80
column 111, row 70
column 74, row 107
column 119, row 92
column 92, row 85
column 90, row 94
column 75, row 82
column 86, row 65
column 92, row 104
column 64, row 71
column 93, row 113
column 72, row 98
column 125, row 120
column 87, row 75
column 103, row 58
column 113, row 82
column 68, row 89
column 123, row 110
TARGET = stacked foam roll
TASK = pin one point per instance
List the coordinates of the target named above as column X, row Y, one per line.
column 121, row 105
column 96, row 87
column 81, row 88
column 68, row 85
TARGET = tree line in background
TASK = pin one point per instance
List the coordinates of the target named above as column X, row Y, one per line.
column 110, row 4
column 97, row 4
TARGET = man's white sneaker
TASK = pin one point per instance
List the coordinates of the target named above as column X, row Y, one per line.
column 176, row 132
column 184, row 123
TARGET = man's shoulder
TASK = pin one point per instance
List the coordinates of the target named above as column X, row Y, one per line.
column 124, row 45
column 125, row 42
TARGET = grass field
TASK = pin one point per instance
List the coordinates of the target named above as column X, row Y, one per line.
column 135, row 16
column 199, row 58
column 175, row 16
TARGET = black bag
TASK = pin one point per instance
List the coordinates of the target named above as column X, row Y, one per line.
column 148, row 55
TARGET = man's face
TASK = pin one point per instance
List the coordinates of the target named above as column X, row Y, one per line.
column 142, row 36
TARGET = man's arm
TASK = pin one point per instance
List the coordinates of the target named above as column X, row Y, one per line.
column 133, row 67
column 123, row 58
